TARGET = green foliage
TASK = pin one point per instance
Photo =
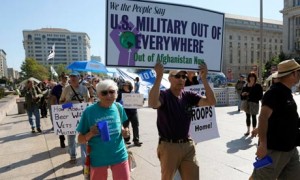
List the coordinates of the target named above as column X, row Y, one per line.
column 273, row 62
column 62, row 68
column 31, row 68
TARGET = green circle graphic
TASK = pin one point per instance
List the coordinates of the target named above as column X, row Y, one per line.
column 127, row 39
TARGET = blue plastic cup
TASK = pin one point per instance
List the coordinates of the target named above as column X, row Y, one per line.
column 104, row 131
column 260, row 163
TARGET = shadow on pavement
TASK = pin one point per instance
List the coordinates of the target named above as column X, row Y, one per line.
column 239, row 144
column 234, row 112
column 33, row 159
column 17, row 136
column 11, row 123
column 66, row 176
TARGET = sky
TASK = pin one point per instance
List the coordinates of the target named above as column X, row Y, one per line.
column 89, row 17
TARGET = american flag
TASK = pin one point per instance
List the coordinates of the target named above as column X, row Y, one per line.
column 51, row 53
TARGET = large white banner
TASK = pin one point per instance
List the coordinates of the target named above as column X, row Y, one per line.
column 204, row 123
column 141, row 33
column 65, row 120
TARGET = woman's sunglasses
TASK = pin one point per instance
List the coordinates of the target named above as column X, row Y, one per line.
column 96, row 81
column 105, row 92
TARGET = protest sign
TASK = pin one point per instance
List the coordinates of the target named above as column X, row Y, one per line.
column 65, row 120
column 203, row 125
column 142, row 33
column 132, row 100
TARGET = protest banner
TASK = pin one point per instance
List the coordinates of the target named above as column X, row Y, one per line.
column 179, row 36
column 203, row 125
column 132, row 100
column 65, row 120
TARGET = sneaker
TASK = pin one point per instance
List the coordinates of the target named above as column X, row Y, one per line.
column 32, row 130
column 39, row 130
column 73, row 160
column 137, row 143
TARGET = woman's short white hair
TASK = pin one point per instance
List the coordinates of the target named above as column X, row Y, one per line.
column 105, row 85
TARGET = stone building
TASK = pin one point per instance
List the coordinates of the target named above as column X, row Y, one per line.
column 241, row 48
column 69, row 46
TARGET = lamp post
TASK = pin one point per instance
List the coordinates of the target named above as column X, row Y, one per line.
column 261, row 42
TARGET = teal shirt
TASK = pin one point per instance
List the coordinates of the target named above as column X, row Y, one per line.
column 113, row 151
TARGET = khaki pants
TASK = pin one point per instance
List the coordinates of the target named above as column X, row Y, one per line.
column 181, row 156
column 285, row 166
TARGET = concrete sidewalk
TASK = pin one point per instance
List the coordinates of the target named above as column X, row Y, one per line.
column 38, row 156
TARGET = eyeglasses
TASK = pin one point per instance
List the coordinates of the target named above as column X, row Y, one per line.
column 105, row 92
column 96, row 81
column 177, row 76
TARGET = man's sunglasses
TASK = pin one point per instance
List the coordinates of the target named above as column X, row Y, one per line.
column 177, row 76
column 105, row 92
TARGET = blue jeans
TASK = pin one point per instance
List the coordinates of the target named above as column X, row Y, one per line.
column 239, row 101
column 72, row 145
column 83, row 153
column 72, row 148
column 34, row 110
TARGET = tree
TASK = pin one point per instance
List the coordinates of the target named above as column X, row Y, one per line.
column 31, row 68
column 62, row 68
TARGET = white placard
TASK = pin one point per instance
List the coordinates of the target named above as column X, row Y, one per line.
column 203, row 124
column 66, row 120
column 132, row 100
column 141, row 33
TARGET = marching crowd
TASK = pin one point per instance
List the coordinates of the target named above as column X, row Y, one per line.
column 278, row 121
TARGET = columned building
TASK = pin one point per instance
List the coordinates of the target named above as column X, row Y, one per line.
column 241, row 49
column 3, row 64
column 69, row 46
column 291, row 32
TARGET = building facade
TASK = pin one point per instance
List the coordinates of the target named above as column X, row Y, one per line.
column 12, row 74
column 241, row 48
column 291, row 32
column 3, row 64
column 69, row 46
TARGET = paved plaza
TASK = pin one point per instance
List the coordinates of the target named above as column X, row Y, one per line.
column 38, row 156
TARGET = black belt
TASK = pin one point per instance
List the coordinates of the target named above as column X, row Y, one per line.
column 184, row 140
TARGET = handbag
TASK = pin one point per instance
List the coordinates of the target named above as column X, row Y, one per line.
column 131, row 161
column 245, row 105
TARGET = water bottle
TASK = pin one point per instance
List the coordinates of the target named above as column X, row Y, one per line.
column 260, row 163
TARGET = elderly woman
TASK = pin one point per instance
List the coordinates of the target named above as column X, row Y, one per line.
column 105, row 154
column 252, row 92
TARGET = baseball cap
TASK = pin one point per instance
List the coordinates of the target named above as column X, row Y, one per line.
column 174, row 72
column 74, row 73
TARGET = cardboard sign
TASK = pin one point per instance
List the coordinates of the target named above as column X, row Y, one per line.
column 132, row 100
column 65, row 120
column 203, row 125
column 142, row 33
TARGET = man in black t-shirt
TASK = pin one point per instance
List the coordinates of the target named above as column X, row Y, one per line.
column 278, row 126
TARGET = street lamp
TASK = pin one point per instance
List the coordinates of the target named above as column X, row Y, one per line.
column 261, row 43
